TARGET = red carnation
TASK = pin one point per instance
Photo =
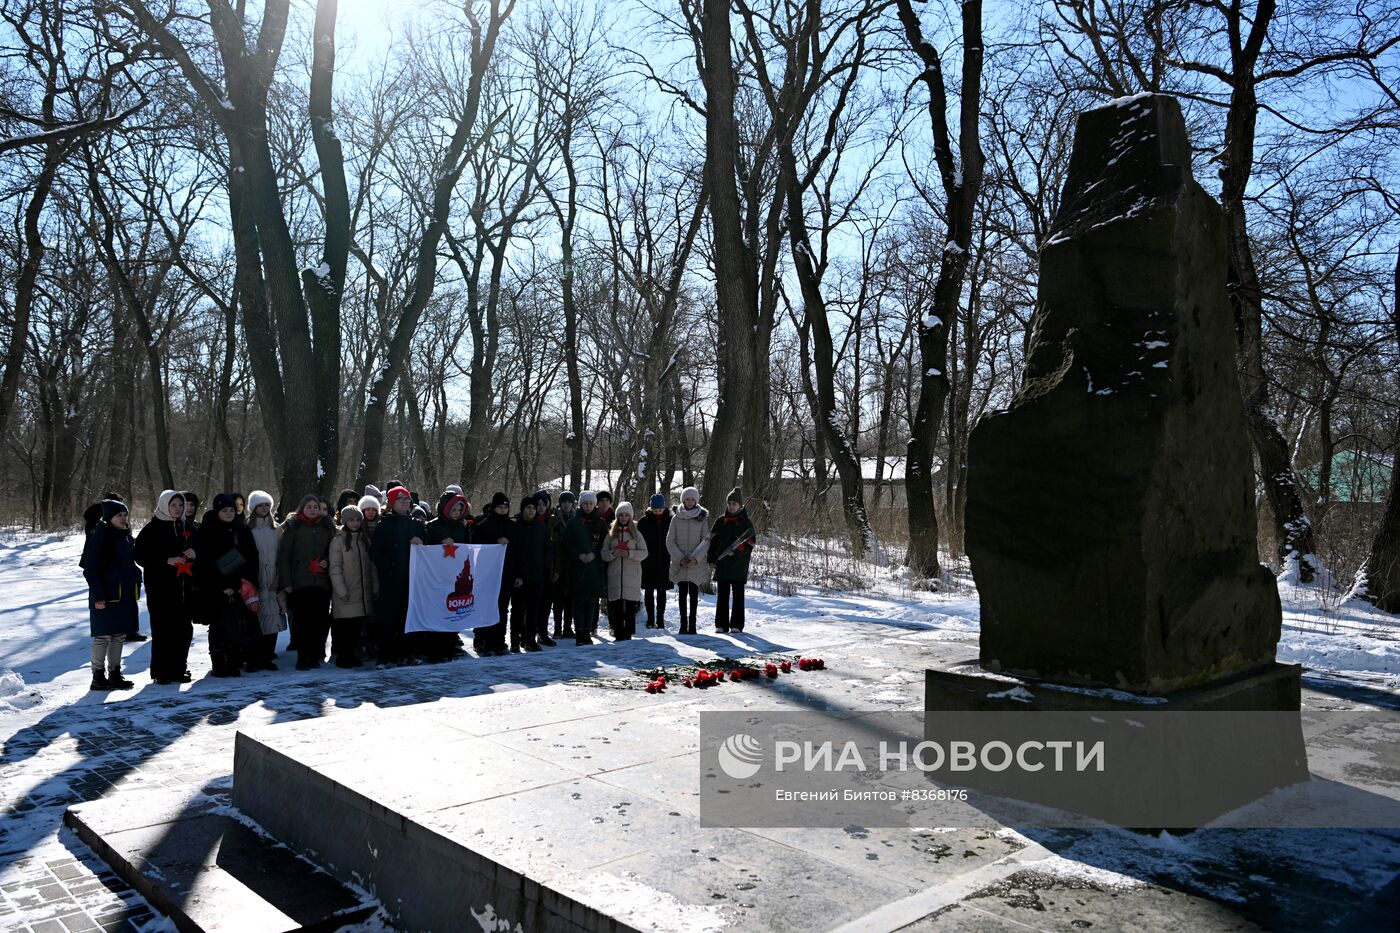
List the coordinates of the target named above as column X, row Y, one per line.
column 785, row 667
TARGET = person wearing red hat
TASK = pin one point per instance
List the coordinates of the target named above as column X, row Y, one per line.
column 389, row 549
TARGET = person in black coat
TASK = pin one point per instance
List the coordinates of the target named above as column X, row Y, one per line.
column 496, row 527
column 731, row 546
column 656, row 569
column 167, row 558
column 226, row 555
column 114, row 585
column 531, row 557
column 390, row 550
column 453, row 525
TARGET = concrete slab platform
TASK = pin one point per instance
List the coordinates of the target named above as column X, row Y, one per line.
column 196, row 862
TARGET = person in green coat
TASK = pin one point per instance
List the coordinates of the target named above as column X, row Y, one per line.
column 731, row 546
column 303, row 569
column 583, row 543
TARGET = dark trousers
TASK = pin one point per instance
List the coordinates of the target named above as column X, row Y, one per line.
column 227, row 638
column 622, row 616
column 655, row 600
column 688, row 601
column 311, row 622
column 723, row 617
column 391, row 611
column 561, row 604
column 261, row 648
column 524, row 614
column 171, row 633
column 345, row 641
column 585, row 616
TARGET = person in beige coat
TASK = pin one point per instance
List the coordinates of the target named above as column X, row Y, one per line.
column 686, row 542
column 272, row 602
column 623, row 551
column 354, row 586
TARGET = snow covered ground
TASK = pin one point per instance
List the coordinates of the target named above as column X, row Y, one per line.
column 63, row 744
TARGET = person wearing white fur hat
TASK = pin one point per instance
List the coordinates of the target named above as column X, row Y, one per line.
column 272, row 618
column 687, row 542
column 624, row 549
column 369, row 507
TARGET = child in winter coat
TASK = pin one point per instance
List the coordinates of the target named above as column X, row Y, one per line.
column 623, row 551
column 267, row 536
column 731, row 545
column 561, row 594
column 389, row 549
column 583, row 542
column 369, row 509
column 168, row 562
column 354, row 584
column 453, row 525
column 656, row 579
column 496, row 527
column 114, row 584
column 530, row 557
column 303, row 571
column 687, row 542
column 225, row 557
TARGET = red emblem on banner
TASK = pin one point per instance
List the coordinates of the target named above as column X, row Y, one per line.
column 461, row 596
column 449, row 550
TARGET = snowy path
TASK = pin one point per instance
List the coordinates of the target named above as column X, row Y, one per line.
column 63, row 744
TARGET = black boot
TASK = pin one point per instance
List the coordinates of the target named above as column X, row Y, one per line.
column 99, row 681
column 115, row 681
column 547, row 641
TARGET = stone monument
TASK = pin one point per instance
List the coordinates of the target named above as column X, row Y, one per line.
column 1110, row 510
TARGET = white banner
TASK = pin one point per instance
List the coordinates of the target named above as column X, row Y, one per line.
column 452, row 587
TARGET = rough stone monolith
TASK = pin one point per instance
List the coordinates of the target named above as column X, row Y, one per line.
column 1110, row 509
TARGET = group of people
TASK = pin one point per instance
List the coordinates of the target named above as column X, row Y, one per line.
column 343, row 573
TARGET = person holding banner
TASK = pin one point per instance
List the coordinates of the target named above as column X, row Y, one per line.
column 731, row 544
column 390, row 551
column 624, row 551
column 583, row 545
column 496, row 527
column 452, row 526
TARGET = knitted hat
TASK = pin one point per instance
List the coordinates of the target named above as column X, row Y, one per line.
column 567, row 496
column 500, row 499
column 736, row 496
column 454, row 489
column 658, row 501
column 625, row 507
column 542, row 498
column 111, row 508
column 604, row 494
column 368, row 502
column 587, row 496
column 349, row 510
column 373, row 490
column 690, row 492
column 223, row 500
column 395, row 494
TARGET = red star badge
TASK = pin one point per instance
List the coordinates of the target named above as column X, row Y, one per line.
column 184, row 569
column 314, row 565
column 449, row 550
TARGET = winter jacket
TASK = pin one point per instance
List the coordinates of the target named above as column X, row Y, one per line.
column 624, row 551
column 442, row 528
column 213, row 540
column 390, row 551
column 584, row 535
column 689, row 536
column 531, row 554
column 266, row 538
column 303, row 547
column 556, row 524
column 727, row 529
column 354, row 581
column 167, row 587
column 109, row 566
column 655, row 568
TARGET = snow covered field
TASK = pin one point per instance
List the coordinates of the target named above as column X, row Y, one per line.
column 63, row 744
